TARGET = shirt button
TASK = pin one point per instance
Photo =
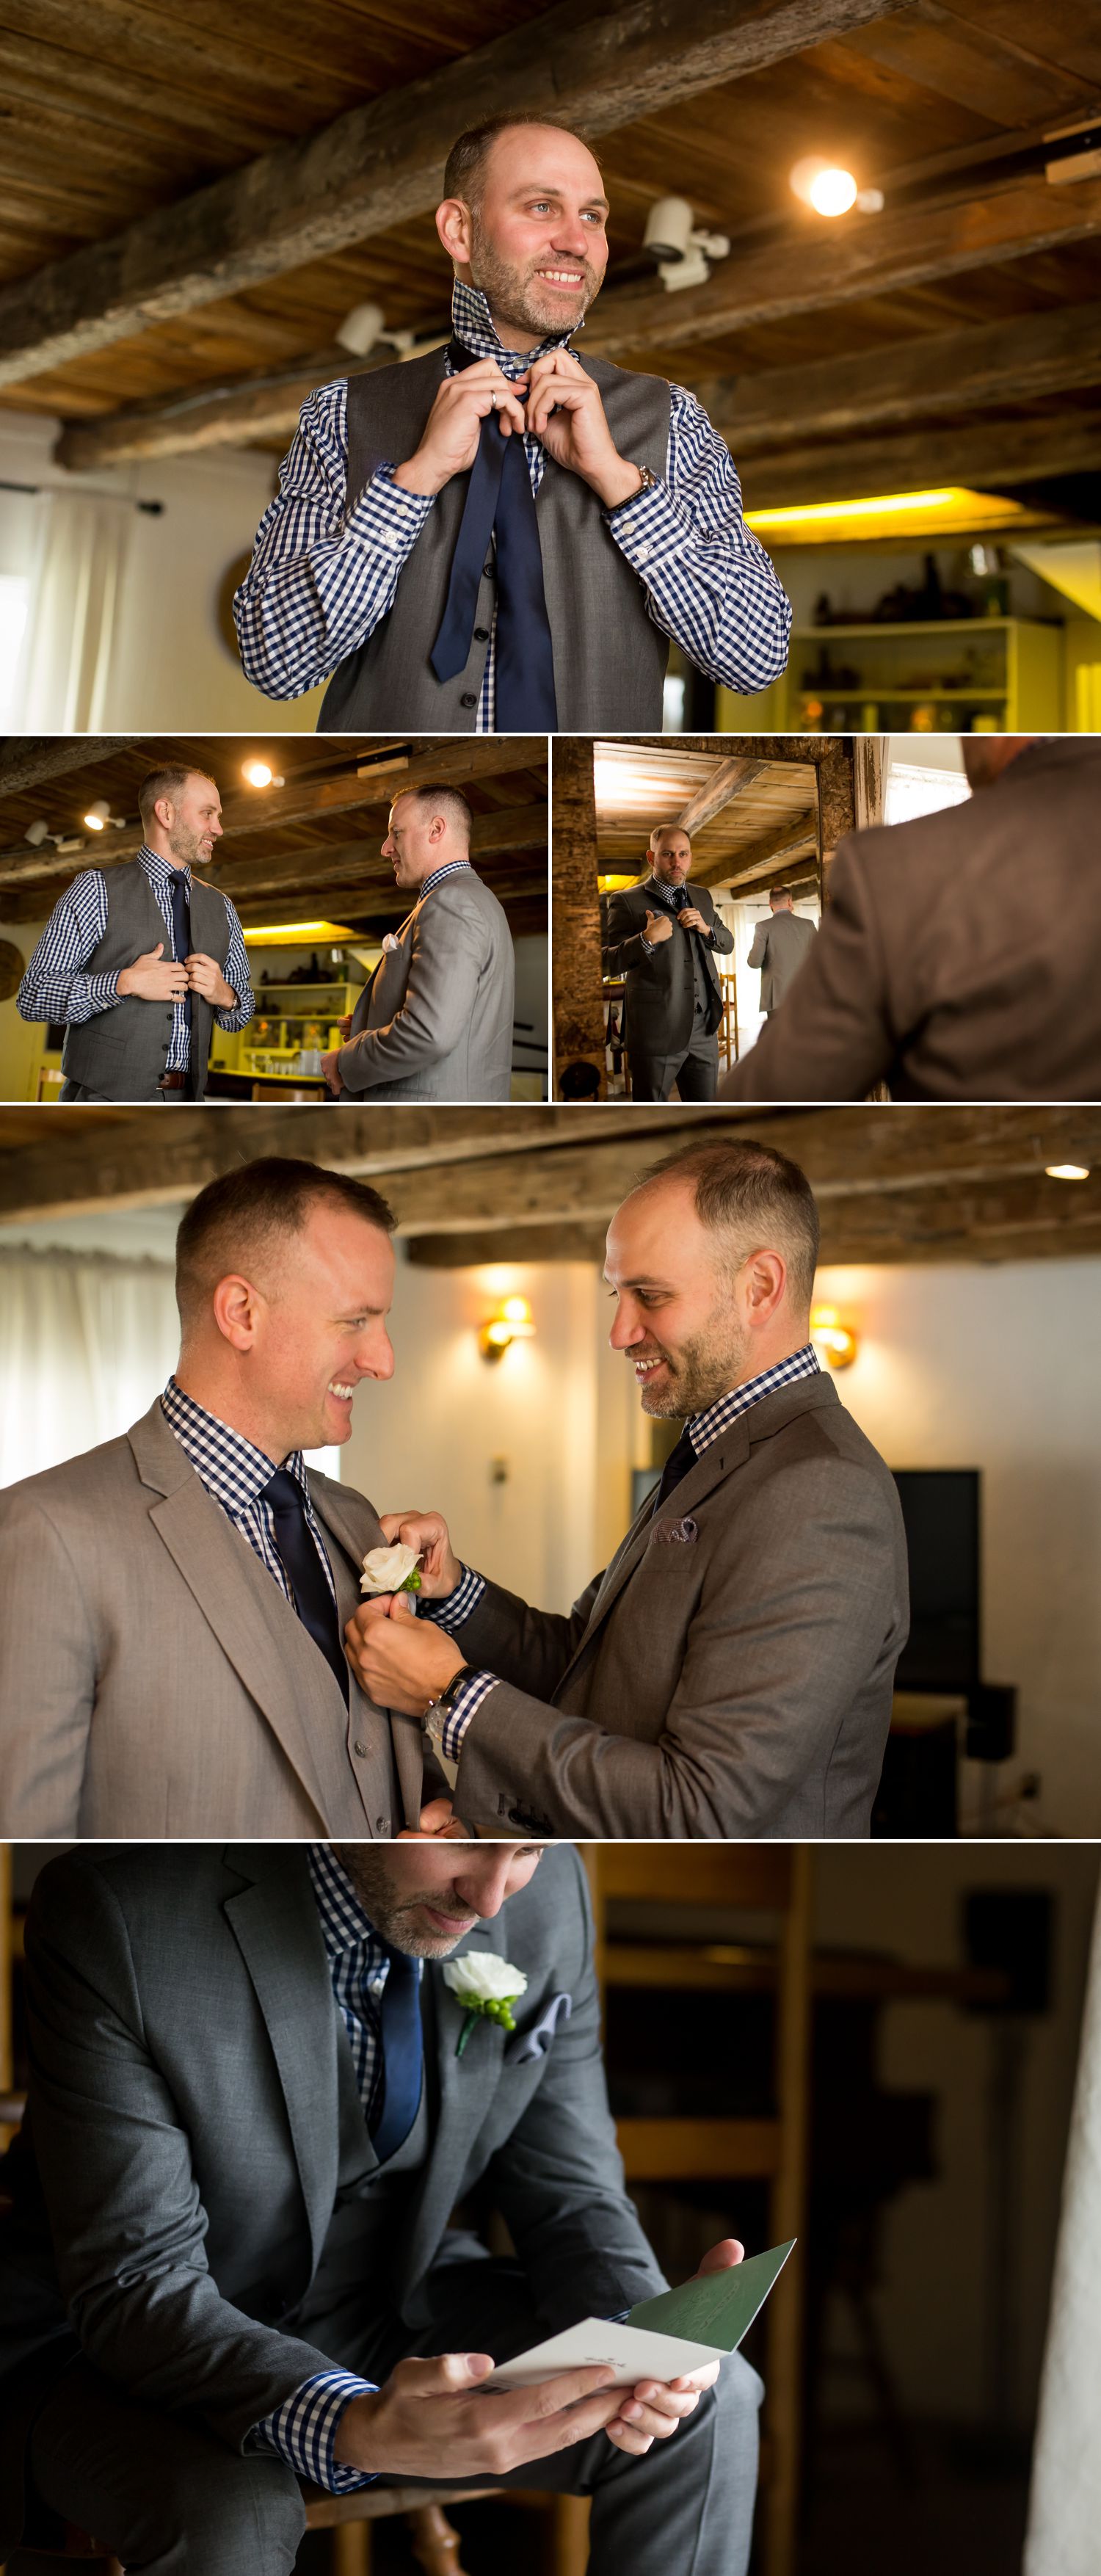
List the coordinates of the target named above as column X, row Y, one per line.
column 481, row 634
column 468, row 698
column 361, row 1749
column 644, row 553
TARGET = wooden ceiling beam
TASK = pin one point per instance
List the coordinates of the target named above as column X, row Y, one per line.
column 30, row 760
column 956, row 371
column 377, row 165
column 741, row 867
column 727, row 781
column 863, row 255
column 985, row 1226
column 983, row 455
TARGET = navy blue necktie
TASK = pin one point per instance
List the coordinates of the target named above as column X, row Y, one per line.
column 676, row 1465
column 181, row 932
column 305, row 1574
column 500, row 503
column 402, row 2054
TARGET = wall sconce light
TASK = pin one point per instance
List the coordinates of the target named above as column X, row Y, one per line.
column 834, row 1341
column 511, row 1323
column 1066, row 1171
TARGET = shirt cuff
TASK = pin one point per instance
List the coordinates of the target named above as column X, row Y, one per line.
column 447, row 1726
column 303, row 2430
column 456, row 1606
column 648, row 527
column 386, row 518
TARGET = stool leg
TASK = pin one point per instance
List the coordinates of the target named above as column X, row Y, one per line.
column 435, row 2541
column 569, row 2535
column 351, row 2554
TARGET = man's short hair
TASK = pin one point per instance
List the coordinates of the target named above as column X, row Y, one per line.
column 663, row 830
column 166, row 782
column 464, row 175
column 448, row 801
column 779, row 894
column 243, row 1217
column 757, row 1196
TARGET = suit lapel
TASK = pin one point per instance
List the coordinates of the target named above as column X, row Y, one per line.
column 274, row 1922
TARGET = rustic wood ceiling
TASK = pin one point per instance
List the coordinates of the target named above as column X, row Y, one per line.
column 474, row 1185
column 972, row 296
column 765, row 804
column 314, row 841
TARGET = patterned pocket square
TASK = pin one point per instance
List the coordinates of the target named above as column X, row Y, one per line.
column 529, row 2044
column 664, row 1530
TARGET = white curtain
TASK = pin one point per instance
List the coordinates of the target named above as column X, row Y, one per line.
column 80, row 542
column 1064, row 2528
column 86, row 1342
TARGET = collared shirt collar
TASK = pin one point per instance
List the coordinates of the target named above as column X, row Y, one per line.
column 155, row 866
column 473, row 324
column 705, row 1427
column 233, row 1470
column 450, row 868
column 344, row 1925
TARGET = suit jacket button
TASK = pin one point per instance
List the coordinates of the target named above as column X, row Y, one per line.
column 382, row 1824
column 468, row 698
column 361, row 1749
column 481, row 634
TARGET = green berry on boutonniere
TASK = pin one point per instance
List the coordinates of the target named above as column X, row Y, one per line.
column 487, row 1988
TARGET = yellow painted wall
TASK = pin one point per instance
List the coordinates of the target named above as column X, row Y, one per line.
column 20, row 1042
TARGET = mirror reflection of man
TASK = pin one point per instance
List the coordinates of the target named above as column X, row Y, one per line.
column 503, row 535
column 664, row 939
column 227, row 2257
column 141, row 961
column 780, row 947
column 435, row 1022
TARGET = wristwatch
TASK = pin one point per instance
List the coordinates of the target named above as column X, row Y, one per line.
column 447, row 1697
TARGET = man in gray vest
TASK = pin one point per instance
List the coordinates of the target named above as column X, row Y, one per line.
column 435, row 1020
column 664, row 942
column 227, row 2221
column 503, row 535
column 780, row 947
column 139, row 961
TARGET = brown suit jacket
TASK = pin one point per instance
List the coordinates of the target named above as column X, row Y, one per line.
column 733, row 1680
column 960, row 956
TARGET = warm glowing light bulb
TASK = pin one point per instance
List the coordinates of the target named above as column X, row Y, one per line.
column 1067, row 1171
column 257, row 773
column 517, row 1310
column 832, row 192
column 94, row 822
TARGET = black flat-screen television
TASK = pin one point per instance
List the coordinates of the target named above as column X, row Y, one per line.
column 940, row 1509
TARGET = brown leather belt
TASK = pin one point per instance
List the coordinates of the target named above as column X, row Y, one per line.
column 172, row 1082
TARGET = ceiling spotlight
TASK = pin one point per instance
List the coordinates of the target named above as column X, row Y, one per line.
column 36, row 833
column 98, row 814
column 829, row 189
column 1067, row 1171
column 257, row 774
column 832, row 192
column 683, row 254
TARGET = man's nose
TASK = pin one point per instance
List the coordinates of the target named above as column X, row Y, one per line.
column 484, row 1885
column 626, row 1330
column 375, row 1352
column 570, row 240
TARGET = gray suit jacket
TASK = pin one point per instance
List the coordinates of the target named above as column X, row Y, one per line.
column 780, row 947
column 201, row 2143
column 435, row 1020
column 959, row 956
column 155, row 1680
column 659, row 1001
column 734, row 1680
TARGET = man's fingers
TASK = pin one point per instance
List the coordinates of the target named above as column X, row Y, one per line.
column 553, row 2396
column 721, row 2257
column 399, row 1606
column 442, row 2376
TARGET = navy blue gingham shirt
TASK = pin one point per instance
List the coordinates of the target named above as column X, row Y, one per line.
column 56, row 986
column 702, row 1428
column 234, row 1473
column 324, row 573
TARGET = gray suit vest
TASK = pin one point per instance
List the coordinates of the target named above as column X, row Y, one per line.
column 363, row 2239
column 609, row 657
column 123, row 1052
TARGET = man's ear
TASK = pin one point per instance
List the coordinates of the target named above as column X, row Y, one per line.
column 455, row 227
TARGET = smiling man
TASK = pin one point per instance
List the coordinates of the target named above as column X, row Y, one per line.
column 225, row 2233
column 730, row 1674
column 140, row 961
column 503, row 535
column 664, row 940
column 170, row 1656
column 435, row 1020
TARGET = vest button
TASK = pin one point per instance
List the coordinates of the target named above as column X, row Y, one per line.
column 361, row 1749
column 469, row 698
column 382, row 1824
column 481, row 634
column 487, row 568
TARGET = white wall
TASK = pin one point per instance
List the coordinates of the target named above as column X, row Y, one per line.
column 1000, row 1367
column 170, row 671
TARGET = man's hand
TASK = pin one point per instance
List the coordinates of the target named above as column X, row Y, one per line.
column 564, row 409
column 401, row 1662
column 429, row 2421
column 344, row 1024
column 205, row 976
column 438, row 1823
column 427, row 1532
column 154, row 977
column 658, row 927
column 449, row 442
column 690, row 919
column 330, row 1066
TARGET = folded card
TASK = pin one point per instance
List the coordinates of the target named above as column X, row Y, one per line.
column 662, row 2338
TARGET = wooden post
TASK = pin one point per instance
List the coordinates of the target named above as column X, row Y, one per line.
column 578, row 1000
column 785, row 2346
column 836, row 806
column 869, row 778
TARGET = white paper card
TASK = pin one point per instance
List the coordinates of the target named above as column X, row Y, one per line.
column 630, row 2351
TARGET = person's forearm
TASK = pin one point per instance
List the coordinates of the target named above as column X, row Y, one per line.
column 709, row 583
column 238, row 1011
column 573, row 1778
column 530, row 1648
column 71, row 999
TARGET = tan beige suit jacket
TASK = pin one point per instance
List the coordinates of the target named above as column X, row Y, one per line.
column 154, row 1680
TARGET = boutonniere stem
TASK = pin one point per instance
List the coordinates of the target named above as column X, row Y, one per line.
column 487, row 1988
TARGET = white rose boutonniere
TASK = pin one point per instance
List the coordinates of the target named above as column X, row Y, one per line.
column 391, row 1569
column 487, row 1987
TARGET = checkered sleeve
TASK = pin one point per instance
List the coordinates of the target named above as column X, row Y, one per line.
column 448, row 1729
column 303, row 2430
column 236, row 972
column 710, row 585
column 456, row 1606
column 54, row 987
column 324, row 571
